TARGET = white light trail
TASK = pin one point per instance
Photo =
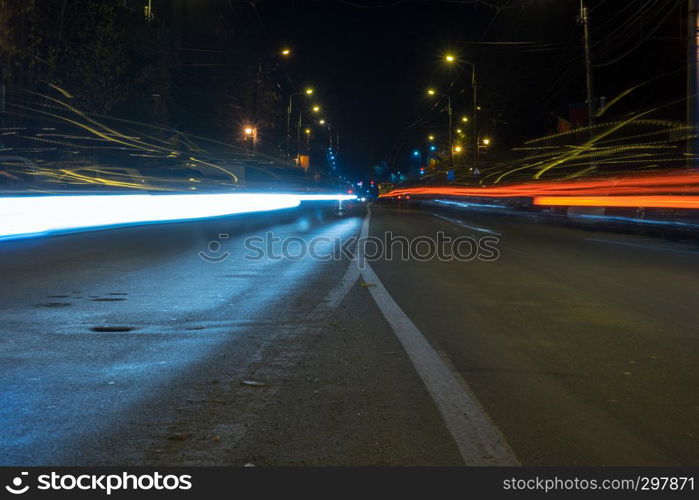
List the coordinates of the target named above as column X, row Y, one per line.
column 24, row 216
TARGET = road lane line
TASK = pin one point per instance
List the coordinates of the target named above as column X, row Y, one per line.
column 478, row 439
column 463, row 224
column 640, row 245
column 338, row 293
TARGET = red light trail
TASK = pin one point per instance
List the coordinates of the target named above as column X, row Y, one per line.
column 670, row 190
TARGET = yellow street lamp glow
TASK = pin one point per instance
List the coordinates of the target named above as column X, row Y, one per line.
column 309, row 91
column 316, row 109
column 464, row 119
column 457, row 149
column 450, row 58
column 431, row 91
column 248, row 130
column 286, row 51
column 430, row 137
column 458, row 131
column 308, row 131
column 322, row 122
column 486, row 141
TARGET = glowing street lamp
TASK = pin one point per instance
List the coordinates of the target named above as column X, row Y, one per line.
column 316, row 109
column 430, row 138
column 307, row 91
column 286, row 51
column 308, row 131
column 250, row 132
column 451, row 60
column 457, row 149
column 321, row 121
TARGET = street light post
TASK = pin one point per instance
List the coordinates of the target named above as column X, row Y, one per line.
column 451, row 132
column 693, row 83
column 450, row 59
column 451, row 142
column 284, row 53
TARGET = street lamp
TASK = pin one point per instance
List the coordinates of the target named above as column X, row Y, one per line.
column 307, row 91
column 450, row 58
column 308, row 140
column 430, row 138
column 250, row 132
column 315, row 109
column 286, row 51
column 486, row 141
column 433, row 92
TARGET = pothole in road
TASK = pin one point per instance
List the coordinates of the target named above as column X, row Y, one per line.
column 111, row 329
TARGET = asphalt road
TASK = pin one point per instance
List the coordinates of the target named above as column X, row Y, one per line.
column 124, row 347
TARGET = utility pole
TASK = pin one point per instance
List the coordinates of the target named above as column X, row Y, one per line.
column 692, row 83
column 585, row 19
column 476, row 136
column 298, row 141
column 258, row 93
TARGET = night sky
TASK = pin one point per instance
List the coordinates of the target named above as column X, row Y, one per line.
column 371, row 62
